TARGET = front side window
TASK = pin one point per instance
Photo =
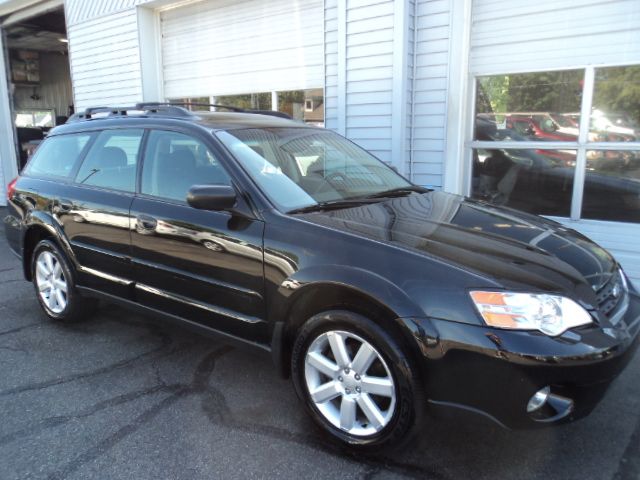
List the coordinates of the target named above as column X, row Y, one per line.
column 57, row 156
column 592, row 170
column 299, row 167
column 111, row 161
column 175, row 162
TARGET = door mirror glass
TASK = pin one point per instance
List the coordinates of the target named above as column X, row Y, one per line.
column 211, row 197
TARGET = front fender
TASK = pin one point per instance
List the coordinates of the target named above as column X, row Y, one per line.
column 365, row 282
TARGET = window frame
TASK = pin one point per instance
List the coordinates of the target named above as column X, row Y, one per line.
column 582, row 145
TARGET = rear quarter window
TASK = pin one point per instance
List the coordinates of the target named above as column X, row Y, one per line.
column 57, row 156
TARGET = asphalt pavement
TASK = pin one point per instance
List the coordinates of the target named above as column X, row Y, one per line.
column 124, row 396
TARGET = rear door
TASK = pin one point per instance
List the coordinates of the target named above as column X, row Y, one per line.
column 94, row 210
column 201, row 265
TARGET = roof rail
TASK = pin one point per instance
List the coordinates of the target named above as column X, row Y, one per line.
column 189, row 104
column 166, row 108
column 145, row 108
column 171, row 109
column 273, row 113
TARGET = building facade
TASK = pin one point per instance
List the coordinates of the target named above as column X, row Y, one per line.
column 532, row 105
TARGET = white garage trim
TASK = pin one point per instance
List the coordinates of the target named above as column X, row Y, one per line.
column 8, row 163
column 20, row 10
column 459, row 100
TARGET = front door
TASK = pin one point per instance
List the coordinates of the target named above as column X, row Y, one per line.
column 200, row 265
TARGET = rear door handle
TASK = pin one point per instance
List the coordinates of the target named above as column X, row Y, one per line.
column 143, row 222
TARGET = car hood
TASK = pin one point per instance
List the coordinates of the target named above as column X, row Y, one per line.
column 513, row 249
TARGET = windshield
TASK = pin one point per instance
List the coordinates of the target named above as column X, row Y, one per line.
column 299, row 167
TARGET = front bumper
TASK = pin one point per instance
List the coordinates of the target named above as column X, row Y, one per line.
column 496, row 372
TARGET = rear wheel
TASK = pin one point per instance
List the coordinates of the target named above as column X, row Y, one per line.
column 54, row 284
column 355, row 380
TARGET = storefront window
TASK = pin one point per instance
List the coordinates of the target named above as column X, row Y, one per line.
column 192, row 103
column 616, row 105
column 544, row 107
column 249, row 101
column 535, row 181
column 612, row 186
column 304, row 105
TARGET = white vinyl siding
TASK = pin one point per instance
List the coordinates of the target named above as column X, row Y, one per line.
column 378, row 42
column 369, row 75
column 105, row 60
column 331, row 64
column 78, row 11
column 229, row 47
column 524, row 36
column 430, row 91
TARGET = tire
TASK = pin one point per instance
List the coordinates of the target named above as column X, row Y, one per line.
column 61, row 301
column 351, row 390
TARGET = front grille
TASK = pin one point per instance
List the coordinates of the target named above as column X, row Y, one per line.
column 610, row 294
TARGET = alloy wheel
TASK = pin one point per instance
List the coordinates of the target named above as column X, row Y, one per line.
column 51, row 282
column 350, row 383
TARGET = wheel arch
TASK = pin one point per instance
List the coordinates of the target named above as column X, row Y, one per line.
column 39, row 227
column 336, row 288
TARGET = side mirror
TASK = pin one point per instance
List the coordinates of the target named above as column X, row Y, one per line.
column 212, row 197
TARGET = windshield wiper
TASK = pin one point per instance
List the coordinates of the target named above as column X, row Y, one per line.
column 398, row 192
column 332, row 205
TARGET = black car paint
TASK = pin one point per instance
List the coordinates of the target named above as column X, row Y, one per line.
column 244, row 274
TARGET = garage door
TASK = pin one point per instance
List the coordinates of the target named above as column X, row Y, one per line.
column 231, row 47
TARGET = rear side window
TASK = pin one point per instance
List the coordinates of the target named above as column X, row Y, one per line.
column 111, row 160
column 57, row 155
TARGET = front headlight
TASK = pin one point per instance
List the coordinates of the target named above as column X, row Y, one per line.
column 551, row 314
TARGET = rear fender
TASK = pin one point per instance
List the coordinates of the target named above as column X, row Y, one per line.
column 43, row 220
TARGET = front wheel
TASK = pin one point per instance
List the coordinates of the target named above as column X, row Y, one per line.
column 54, row 284
column 355, row 380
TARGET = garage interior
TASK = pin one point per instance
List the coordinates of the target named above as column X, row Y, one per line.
column 38, row 75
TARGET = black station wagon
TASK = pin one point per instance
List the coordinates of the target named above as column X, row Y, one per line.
column 381, row 299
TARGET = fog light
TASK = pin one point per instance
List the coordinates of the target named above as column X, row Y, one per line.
column 538, row 400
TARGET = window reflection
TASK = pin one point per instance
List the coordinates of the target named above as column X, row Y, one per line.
column 249, row 101
column 616, row 105
column 612, row 186
column 191, row 103
column 541, row 106
column 535, row 181
column 304, row 105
